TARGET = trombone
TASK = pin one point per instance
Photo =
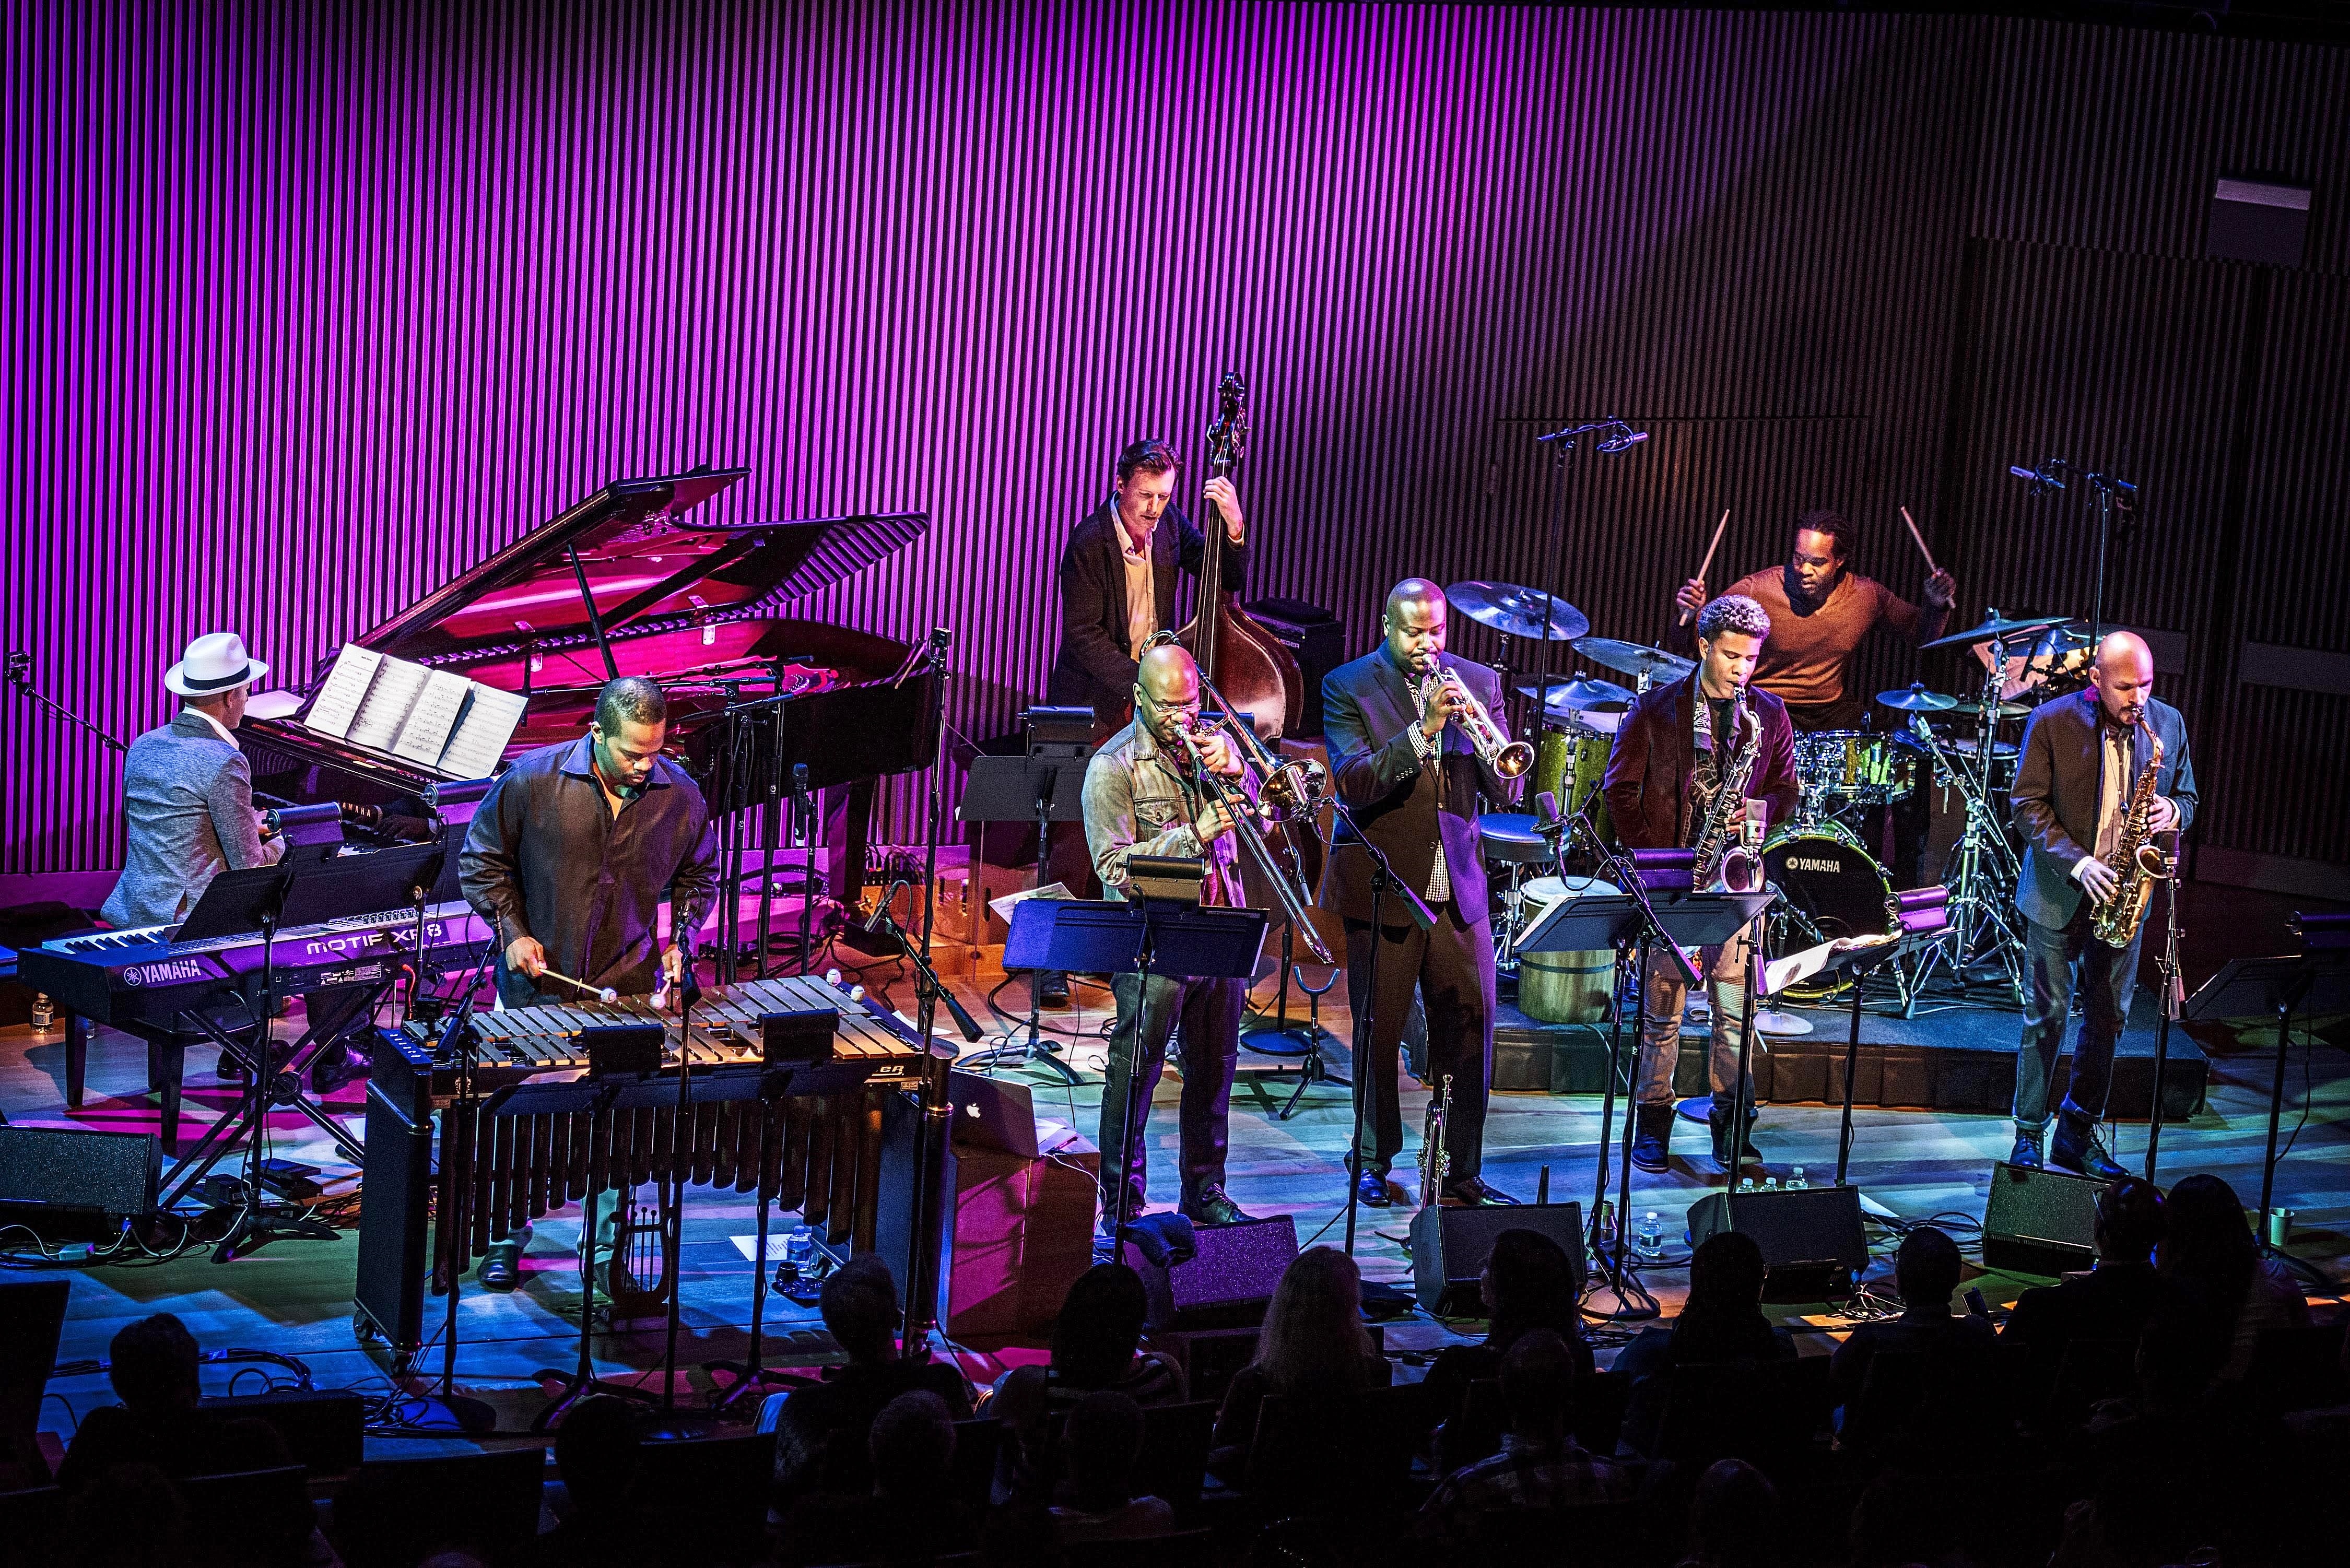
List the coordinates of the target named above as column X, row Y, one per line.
column 1248, row 826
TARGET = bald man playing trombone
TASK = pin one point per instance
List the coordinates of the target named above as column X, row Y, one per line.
column 2082, row 756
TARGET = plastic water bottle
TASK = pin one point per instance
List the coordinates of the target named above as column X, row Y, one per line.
column 1796, row 1179
column 799, row 1249
column 1650, row 1240
column 1770, row 1184
column 44, row 1013
column 1745, row 1184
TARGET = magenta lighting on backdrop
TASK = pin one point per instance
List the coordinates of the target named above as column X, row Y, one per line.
column 308, row 308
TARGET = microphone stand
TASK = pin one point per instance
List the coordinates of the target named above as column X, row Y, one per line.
column 1383, row 877
column 20, row 676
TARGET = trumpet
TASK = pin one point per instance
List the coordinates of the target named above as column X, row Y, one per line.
column 1250, row 819
column 1491, row 743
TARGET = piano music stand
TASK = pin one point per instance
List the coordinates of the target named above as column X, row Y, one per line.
column 1626, row 922
column 1042, row 789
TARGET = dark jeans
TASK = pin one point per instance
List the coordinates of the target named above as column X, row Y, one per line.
column 2105, row 975
column 1452, row 964
column 1150, row 1009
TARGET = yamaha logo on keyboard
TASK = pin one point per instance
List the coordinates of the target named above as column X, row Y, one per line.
column 171, row 972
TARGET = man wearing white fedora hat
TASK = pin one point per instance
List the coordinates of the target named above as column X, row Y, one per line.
column 189, row 791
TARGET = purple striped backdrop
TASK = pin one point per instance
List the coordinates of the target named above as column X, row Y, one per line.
column 307, row 308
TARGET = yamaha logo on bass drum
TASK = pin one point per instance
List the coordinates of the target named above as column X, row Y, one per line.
column 1797, row 863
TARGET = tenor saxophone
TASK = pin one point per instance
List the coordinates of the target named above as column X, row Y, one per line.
column 2136, row 860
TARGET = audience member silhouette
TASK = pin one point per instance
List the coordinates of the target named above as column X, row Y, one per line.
column 820, row 1432
column 1314, row 1351
column 2112, row 1301
column 1734, row 1518
column 908, row 1515
column 1100, row 1442
column 1540, row 1466
column 1096, row 1345
column 1721, row 1321
column 1527, row 1283
column 597, row 1450
column 152, row 1363
column 1955, row 1345
column 2208, row 1248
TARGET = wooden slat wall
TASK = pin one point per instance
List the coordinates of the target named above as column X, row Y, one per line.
column 305, row 307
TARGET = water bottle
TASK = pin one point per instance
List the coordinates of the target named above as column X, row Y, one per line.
column 44, row 1013
column 1796, row 1179
column 799, row 1249
column 1770, row 1184
column 1745, row 1184
column 1650, row 1239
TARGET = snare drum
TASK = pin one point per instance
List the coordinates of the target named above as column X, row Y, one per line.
column 1564, row 988
column 1836, row 768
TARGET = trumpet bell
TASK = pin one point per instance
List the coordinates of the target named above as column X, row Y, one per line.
column 1512, row 760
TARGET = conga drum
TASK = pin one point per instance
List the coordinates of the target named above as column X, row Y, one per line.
column 1565, row 987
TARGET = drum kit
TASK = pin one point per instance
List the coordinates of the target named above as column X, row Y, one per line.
column 1831, row 884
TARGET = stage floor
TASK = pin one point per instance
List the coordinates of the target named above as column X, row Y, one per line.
column 293, row 1297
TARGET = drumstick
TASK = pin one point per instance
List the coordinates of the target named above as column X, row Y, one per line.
column 603, row 993
column 1930, row 567
column 1705, row 566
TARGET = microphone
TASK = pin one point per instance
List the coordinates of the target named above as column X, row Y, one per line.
column 799, row 783
column 2042, row 478
column 1546, row 817
column 1623, row 441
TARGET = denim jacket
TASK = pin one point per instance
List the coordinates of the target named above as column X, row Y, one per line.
column 1141, row 802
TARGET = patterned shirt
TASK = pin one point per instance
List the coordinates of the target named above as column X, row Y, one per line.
column 1524, row 1475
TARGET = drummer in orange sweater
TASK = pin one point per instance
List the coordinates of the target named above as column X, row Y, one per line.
column 1821, row 611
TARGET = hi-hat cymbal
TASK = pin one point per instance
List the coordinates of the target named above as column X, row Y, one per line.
column 1996, row 628
column 1577, row 695
column 2004, row 711
column 1515, row 611
column 1631, row 658
column 1917, row 700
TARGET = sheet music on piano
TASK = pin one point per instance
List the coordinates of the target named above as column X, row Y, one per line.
column 434, row 718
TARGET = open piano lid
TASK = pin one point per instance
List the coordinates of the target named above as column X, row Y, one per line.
column 652, row 567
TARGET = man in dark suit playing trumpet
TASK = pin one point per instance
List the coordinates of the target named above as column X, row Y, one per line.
column 1411, row 774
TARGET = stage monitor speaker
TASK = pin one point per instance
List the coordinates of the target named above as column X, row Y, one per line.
column 325, row 1429
column 1813, row 1244
column 2040, row 1222
column 1449, row 1246
column 57, row 1180
column 1227, row 1283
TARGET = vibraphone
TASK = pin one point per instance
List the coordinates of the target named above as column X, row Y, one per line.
column 816, row 1148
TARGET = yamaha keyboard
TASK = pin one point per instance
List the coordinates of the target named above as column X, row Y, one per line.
column 146, row 976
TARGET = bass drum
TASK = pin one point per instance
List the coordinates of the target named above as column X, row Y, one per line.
column 1564, row 988
column 1829, row 887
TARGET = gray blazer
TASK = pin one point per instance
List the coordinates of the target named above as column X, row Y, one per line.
column 188, row 794
column 2059, row 781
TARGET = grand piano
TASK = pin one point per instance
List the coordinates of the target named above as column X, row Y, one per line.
column 631, row 581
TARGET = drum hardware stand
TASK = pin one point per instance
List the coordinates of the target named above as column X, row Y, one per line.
column 1614, row 436
column 1986, row 880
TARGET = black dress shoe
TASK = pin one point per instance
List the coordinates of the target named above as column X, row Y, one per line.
column 2076, row 1149
column 501, row 1267
column 1371, row 1190
column 1475, row 1192
column 1653, row 1136
column 1212, row 1206
column 332, row 1069
column 1052, row 988
column 2026, row 1152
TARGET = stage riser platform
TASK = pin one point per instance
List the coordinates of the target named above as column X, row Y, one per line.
column 1572, row 1059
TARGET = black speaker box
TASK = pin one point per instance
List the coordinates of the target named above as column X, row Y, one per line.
column 1449, row 1246
column 325, row 1429
column 56, row 1180
column 1316, row 639
column 1811, row 1237
column 1228, row 1283
column 2039, row 1221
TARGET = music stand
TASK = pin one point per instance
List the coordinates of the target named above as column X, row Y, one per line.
column 2317, row 981
column 1623, row 921
column 1042, row 789
column 1162, row 937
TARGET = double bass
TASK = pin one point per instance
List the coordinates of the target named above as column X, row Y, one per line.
column 1255, row 673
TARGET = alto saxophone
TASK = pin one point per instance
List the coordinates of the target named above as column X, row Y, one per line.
column 1723, row 864
column 2136, row 860
column 1435, row 1161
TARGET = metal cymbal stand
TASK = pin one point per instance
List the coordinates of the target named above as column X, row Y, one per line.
column 1982, row 897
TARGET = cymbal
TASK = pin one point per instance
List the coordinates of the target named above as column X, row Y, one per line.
column 2004, row 711
column 1576, row 695
column 1917, row 700
column 1996, row 628
column 1633, row 660
column 1515, row 611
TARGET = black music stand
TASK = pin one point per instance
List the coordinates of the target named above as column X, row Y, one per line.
column 1043, row 789
column 268, row 900
column 1155, row 936
column 1626, row 922
column 2315, row 982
